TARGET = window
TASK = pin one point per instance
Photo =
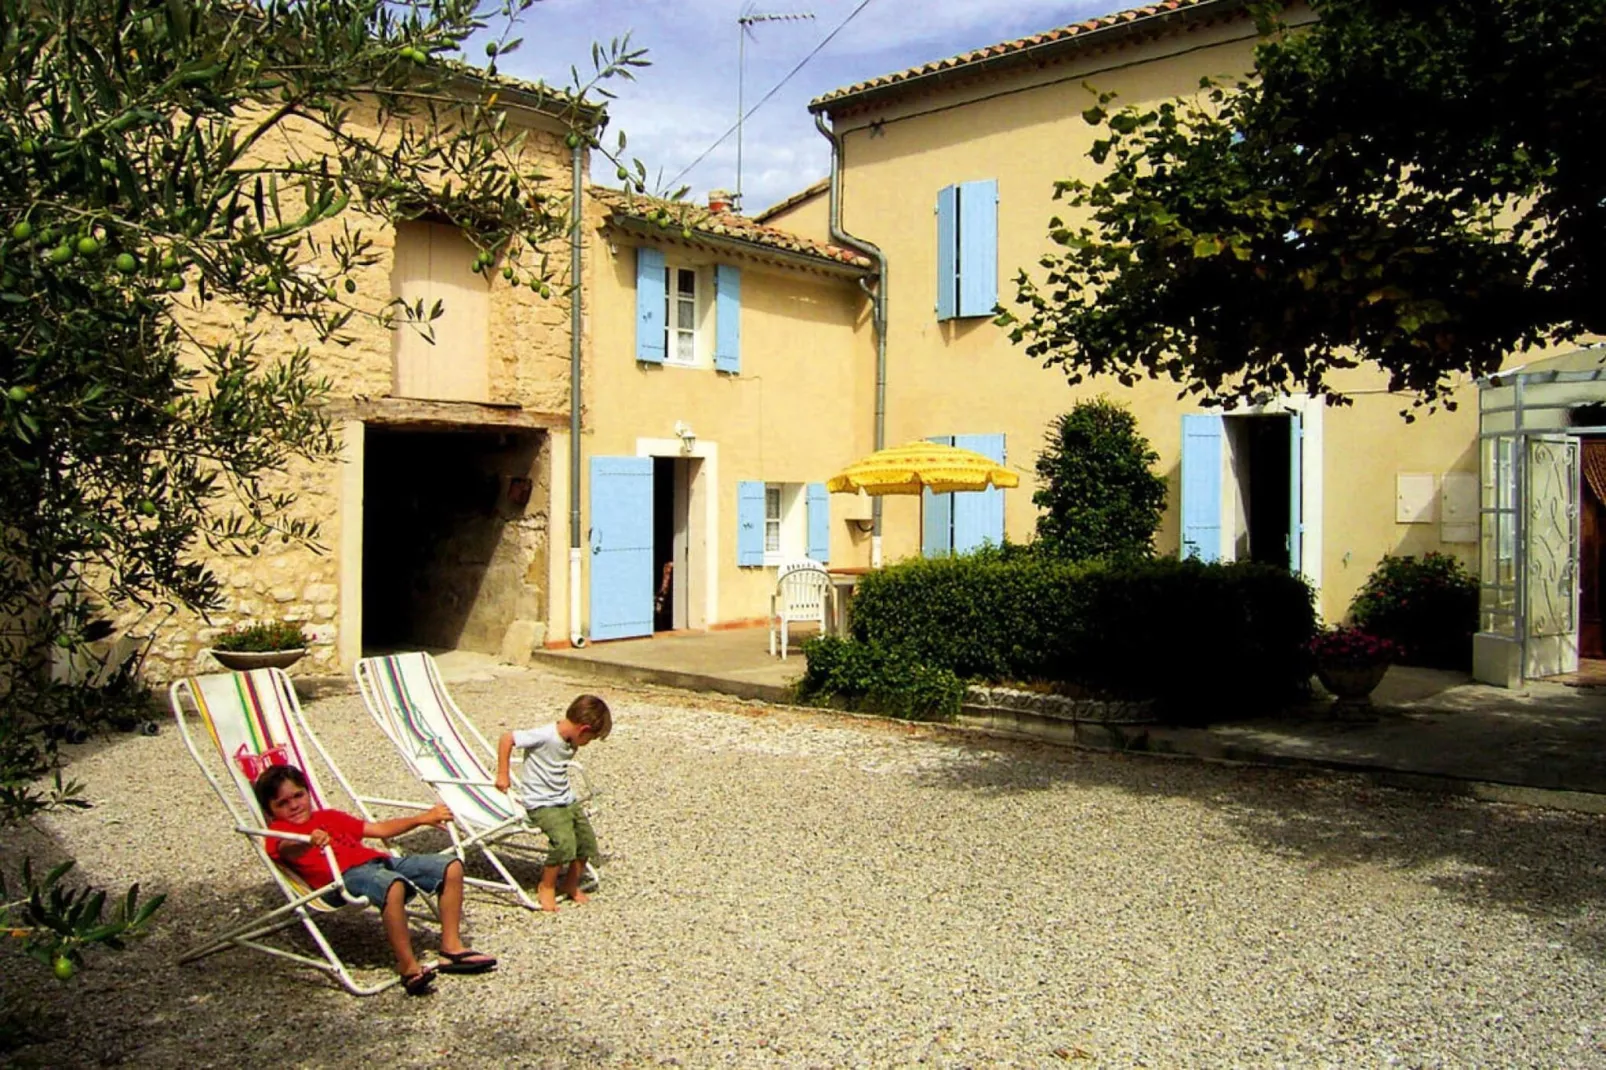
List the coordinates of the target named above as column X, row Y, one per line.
column 680, row 315
column 967, row 249
column 772, row 519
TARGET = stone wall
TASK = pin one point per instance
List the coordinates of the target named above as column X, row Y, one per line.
column 529, row 362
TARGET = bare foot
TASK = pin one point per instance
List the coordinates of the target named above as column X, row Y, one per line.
column 548, row 899
column 576, row 895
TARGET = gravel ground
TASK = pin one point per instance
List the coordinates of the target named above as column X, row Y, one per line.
column 787, row 888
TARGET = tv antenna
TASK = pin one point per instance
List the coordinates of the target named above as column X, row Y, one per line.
column 744, row 26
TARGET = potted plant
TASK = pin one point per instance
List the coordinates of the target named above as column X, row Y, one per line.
column 1350, row 663
column 274, row 644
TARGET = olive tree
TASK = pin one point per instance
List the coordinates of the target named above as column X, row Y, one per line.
column 146, row 173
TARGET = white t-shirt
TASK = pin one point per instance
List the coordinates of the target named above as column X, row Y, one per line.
column 544, row 779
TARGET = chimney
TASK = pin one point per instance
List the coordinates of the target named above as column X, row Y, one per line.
column 719, row 201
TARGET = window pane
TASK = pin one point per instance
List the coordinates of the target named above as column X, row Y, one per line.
column 772, row 503
column 687, row 283
column 686, row 315
column 772, row 536
column 685, row 348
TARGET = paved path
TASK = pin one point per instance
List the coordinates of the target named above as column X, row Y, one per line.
column 1544, row 744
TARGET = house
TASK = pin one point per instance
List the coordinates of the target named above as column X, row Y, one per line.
column 948, row 170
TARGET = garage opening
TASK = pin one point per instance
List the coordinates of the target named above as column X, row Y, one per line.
column 454, row 538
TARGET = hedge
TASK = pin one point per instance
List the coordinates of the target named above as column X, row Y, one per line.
column 1200, row 639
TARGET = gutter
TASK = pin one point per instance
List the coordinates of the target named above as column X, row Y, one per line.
column 576, row 291
column 878, row 316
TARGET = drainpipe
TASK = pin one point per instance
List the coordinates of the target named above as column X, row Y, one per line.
column 576, row 637
column 878, row 314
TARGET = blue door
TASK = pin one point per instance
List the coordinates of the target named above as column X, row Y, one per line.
column 1201, row 486
column 621, row 547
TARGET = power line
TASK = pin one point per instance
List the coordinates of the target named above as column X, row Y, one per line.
column 773, row 90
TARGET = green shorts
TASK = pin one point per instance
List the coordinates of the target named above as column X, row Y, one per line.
column 569, row 832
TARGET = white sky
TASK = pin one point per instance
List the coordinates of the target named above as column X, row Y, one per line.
column 681, row 104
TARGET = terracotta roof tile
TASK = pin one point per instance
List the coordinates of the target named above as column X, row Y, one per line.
column 728, row 225
column 1076, row 30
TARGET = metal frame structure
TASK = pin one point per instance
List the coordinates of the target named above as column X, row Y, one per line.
column 1539, row 407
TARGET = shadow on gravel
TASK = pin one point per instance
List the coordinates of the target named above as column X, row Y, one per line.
column 1545, row 863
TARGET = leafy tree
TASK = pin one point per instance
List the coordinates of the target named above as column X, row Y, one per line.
column 1417, row 188
column 149, row 170
column 1099, row 494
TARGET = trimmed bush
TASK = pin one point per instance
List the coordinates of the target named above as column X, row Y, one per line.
column 1098, row 491
column 1200, row 639
column 1429, row 606
column 867, row 676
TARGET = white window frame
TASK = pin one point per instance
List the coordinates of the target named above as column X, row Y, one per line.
column 789, row 525
column 673, row 300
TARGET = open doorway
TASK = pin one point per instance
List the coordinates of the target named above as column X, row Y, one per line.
column 453, row 547
column 671, row 541
column 1260, row 487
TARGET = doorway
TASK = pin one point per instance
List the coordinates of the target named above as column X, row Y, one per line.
column 1260, row 488
column 453, row 547
column 671, row 541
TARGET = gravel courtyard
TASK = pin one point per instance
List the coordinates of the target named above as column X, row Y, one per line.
column 785, row 888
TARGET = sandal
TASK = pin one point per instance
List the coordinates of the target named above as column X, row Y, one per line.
column 466, row 961
column 418, row 984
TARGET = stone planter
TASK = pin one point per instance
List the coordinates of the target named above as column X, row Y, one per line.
column 245, row 660
column 1351, row 683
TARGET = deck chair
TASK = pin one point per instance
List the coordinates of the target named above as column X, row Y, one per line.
column 408, row 700
column 255, row 721
column 802, row 593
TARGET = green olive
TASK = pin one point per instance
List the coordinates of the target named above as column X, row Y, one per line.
column 175, row 283
column 64, row 968
column 61, row 254
column 88, row 246
column 22, row 231
column 126, row 263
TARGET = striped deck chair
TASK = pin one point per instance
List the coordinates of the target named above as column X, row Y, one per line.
column 255, row 721
column 410, row 703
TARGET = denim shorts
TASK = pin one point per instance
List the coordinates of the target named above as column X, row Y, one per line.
column 372, row 879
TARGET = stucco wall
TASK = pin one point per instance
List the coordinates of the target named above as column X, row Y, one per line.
column 964, row 376
column 799, row 410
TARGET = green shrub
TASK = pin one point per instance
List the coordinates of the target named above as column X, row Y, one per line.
column 1428, row 605
column 867, row 676
column 257, row 638
column 1200, row 639
column 1099, row 493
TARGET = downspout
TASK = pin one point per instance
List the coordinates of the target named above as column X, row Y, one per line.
column 878, row 313
column 576, row 289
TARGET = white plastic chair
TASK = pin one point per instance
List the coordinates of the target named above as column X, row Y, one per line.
column 802, row 593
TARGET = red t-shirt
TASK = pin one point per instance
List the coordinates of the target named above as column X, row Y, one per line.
column 345, row 840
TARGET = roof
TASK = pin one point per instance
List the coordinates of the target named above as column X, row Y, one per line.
column 794, row 200
column 1027, row 50
column 537, row 95
column 642, row 213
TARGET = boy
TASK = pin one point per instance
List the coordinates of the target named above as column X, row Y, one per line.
column 386, row 881
column 545, row 792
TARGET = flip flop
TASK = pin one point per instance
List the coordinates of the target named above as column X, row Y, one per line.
column 468, row 961
column 418, row 984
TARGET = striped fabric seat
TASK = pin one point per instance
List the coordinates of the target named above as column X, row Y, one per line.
column 255, row 721
column 408, row 700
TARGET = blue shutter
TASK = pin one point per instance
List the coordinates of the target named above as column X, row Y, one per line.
column 979, row 515
column 947, row 252
column 727, row 319
column 1201, row 486
column 978, row 247
column 621, row 547
column 1296, row 514
column 649, row 305
column 936, row 516
column 819, row 503
column 750, row 522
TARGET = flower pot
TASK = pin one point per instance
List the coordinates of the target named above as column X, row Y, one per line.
column 245, row 660
column 1351, row 683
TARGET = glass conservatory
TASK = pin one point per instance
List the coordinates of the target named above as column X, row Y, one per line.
column 1542, row 449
